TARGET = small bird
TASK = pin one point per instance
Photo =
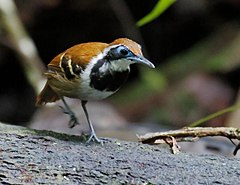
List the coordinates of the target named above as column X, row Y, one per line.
column 90, row 71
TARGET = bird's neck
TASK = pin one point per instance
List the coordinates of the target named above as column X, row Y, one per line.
column 108, row 76
column 114, row 66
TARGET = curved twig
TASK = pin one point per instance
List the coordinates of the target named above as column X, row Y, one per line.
column 190, row 133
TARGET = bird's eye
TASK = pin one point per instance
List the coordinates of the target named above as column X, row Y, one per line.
column 119, row 52
column 124, row 52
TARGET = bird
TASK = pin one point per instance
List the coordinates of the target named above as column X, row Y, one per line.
column 90, row 71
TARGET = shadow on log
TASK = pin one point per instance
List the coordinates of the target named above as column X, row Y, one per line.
column 42, row 157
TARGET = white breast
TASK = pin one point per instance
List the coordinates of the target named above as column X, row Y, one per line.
column 88, row 93
column 85, row 91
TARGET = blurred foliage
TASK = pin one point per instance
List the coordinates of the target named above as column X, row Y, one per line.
column 219, row 52
column 200, row 57
column 194, row 37
column 160, row 7
column 214, row 115
column 154, row 80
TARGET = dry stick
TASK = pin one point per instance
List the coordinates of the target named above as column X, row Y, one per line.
column 195, row 132
column 171, row 141
column 189, row 133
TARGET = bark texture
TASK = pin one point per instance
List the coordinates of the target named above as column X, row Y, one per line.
column 43, row 157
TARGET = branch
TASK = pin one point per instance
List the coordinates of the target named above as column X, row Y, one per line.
column 190, row 134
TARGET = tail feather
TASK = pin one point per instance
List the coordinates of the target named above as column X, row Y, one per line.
column 46, row 95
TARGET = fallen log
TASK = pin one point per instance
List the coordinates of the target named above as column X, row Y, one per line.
column 41, row 157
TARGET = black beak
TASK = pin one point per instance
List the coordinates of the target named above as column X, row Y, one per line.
column 142, row 60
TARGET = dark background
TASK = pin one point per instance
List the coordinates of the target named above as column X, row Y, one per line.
column 56, row 25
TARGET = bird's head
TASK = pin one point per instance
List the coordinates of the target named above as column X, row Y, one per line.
column 122, row 52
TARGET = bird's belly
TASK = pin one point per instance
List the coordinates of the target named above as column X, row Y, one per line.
column 90, row 87
column 80, row 91
column 89, row 93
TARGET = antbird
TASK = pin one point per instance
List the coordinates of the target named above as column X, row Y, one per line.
column 90, row 71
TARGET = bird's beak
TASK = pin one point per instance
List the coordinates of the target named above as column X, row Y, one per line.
column 142, row 60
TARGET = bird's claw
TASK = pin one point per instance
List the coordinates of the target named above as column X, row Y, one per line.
column 73, row 119
column 65, row 111
column 93, row 137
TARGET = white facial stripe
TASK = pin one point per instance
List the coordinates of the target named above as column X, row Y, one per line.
column 120, row 65
column 95, row 59
column 86, row 73
column 104, row 67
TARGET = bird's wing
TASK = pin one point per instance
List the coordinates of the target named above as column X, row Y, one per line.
column 74, row 60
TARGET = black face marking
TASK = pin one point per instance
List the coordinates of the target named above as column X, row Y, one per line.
column 108, row 80
column 66, row 67
column 99, row 64
column 119, row 52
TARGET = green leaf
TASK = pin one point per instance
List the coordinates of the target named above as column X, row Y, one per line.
column 160, row 7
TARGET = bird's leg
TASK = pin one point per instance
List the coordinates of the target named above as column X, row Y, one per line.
column 93, row 135
column 66, row 110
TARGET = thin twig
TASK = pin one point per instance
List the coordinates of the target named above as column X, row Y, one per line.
column 214, row 115
column 190, row 134
column 171, row 141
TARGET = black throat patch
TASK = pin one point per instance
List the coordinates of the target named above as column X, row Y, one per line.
column 108, row 80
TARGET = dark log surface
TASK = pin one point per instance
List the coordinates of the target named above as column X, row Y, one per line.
column 43, row 157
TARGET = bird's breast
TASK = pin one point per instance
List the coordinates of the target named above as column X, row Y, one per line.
column 99, row 85
column 109, row 81
column 103, row 78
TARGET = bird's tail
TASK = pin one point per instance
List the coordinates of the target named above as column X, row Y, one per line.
column 46, row 95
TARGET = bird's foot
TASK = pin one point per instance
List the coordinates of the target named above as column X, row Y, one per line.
column 73, row 119
column 93, row 137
